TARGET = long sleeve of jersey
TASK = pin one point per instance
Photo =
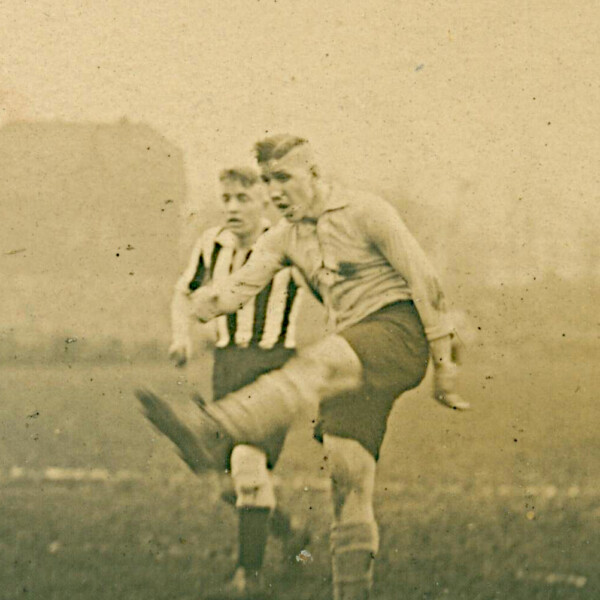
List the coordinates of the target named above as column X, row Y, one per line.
column 190, row 279
column 390, row 235
column 230, row 294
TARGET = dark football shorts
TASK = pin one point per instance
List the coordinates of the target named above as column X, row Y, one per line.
column 394, row 353
column 236, row 367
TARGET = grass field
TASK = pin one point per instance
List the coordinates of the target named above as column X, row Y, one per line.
column 502, row 502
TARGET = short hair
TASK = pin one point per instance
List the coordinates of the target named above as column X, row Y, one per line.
column 245, row 175
column 277, row 146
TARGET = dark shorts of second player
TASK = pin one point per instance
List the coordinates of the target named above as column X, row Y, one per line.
column 394, row 353
column 236, row 367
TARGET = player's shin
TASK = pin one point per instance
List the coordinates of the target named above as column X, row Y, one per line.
column 272, row 402
column 354, row 537
column 255, row 501
column 206, row 435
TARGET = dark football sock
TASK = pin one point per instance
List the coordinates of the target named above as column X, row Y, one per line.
column 252, row 537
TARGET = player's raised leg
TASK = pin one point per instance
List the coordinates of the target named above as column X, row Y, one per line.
column 324, row 369
column 263, row 408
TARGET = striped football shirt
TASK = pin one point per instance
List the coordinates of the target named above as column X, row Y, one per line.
column 267, row 320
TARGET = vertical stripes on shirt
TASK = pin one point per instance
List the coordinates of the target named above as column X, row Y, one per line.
column 244, row 329
column 220, row 263
column 260, row 313
column 277, row 309
column 198, row 277
column 290, row 316
column 266, row 321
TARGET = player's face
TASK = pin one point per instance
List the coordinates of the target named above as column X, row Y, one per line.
column 291, row 189
column 244, row 207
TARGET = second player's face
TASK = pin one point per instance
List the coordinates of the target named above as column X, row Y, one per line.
column 244, row 207
column 291, row 189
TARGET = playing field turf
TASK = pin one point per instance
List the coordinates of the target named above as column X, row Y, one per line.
column 502, row 502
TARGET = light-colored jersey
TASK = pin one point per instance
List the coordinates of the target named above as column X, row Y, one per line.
column 265, row 321
column 358, row 257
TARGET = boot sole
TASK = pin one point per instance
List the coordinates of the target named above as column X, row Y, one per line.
column 162, row 417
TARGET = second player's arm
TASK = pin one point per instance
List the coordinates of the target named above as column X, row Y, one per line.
column 181, row 343
column 230, row 294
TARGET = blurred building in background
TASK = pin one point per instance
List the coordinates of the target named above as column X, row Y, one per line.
column 91, row 225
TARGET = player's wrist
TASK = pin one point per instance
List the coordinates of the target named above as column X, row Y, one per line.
column 180, row 339
column 444, row 365
column 204, row 304
column 441, row 352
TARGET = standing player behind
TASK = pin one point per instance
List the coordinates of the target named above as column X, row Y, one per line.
column 254, row 340
column 390, row 313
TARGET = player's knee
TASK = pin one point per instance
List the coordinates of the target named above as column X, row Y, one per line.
column 332, row 365
column 251, row 478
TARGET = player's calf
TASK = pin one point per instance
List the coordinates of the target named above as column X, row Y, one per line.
column 255, row 500
column 272, row 402
column 258, row 511
column 353, row 550
column 261, row 409
column 293, row 536
column 354, row 537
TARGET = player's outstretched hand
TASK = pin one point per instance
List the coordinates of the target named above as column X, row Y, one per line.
column 453, row 401
column 180, row 352
column 445, row 377
column 204, row 303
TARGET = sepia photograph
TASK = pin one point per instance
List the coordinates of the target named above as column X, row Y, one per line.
column 299, row 300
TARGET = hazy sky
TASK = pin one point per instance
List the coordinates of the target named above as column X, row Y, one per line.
column 492, row 106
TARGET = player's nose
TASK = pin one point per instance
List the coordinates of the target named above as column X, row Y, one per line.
column 274, row 187
column 275, row 193
column 233, row 205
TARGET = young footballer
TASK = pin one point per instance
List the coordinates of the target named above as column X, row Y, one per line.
column 390, row 315
column 251, row 341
